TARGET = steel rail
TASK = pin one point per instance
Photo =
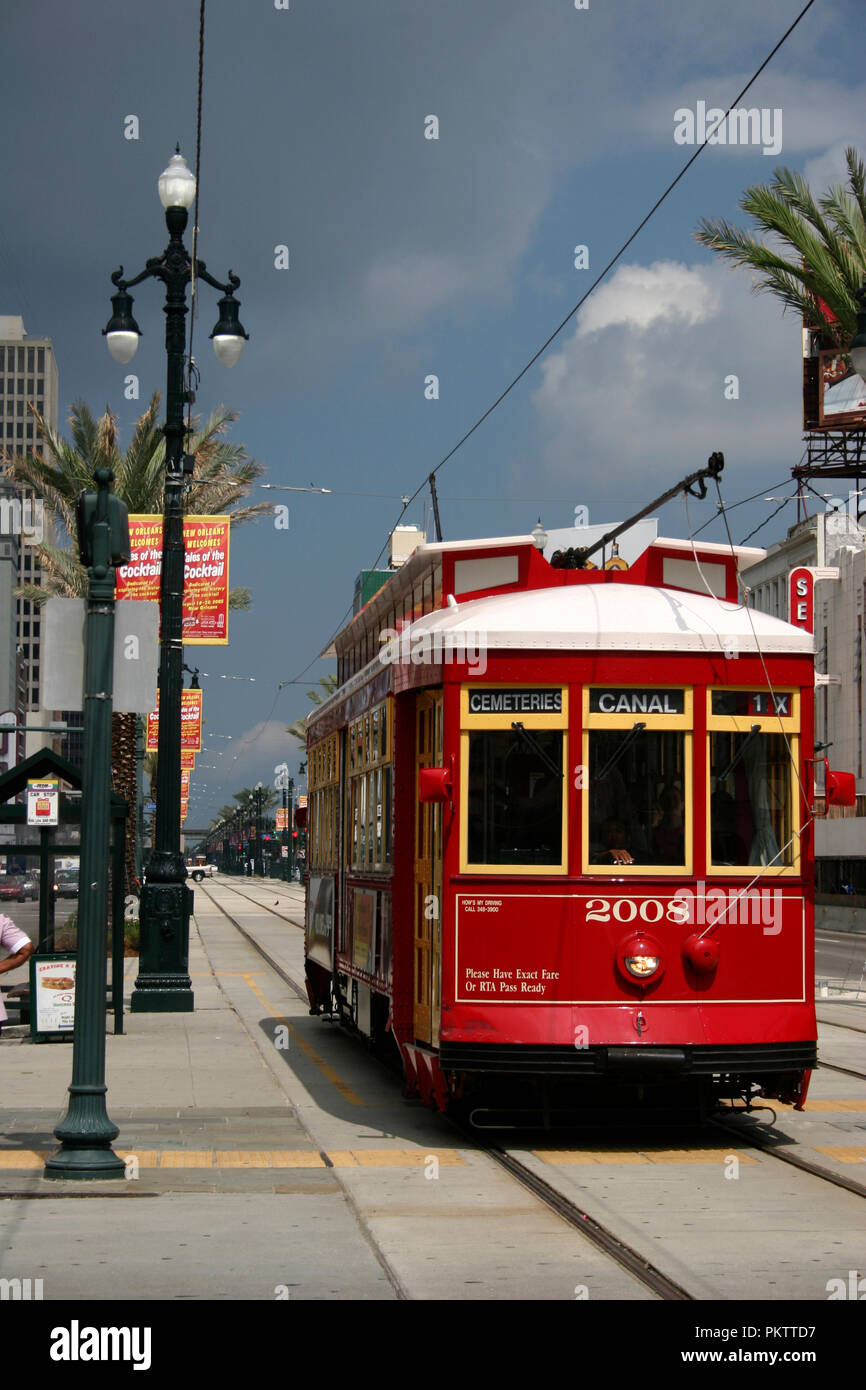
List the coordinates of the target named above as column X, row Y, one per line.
column 232, row 889
column 804, row 1164
column 275, row 966
column 627, row 1258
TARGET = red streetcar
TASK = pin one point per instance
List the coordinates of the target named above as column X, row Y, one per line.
column 559, row 832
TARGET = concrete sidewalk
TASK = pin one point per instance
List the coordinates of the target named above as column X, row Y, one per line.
column 226, row 1195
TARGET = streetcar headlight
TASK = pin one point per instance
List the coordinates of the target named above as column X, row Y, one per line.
column 641, row 966
column 639, row 958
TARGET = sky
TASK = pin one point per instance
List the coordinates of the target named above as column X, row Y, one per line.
column 411, row 257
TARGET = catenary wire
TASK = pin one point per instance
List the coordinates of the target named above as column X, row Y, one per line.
column 597, row 281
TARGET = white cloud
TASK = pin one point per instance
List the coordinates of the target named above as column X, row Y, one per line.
column 640, row 385
column 666, row 292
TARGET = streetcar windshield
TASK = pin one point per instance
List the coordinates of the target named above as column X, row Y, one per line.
column 636, row 796
column 516, row 795
column 750, row 799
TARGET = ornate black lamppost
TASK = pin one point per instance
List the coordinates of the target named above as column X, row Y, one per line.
column 163, row 983
column 86, row 1132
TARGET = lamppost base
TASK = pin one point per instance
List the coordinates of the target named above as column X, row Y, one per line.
column 85, row 1135
column 162, row 994
column 163, row 985
column 91, row 1164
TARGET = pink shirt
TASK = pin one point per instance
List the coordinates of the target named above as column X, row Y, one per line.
column 12, row 939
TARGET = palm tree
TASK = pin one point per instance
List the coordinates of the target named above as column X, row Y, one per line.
column 223, row 475
column 827, row 238
column 298, row 730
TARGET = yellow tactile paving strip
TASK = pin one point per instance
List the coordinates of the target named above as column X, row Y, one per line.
column 20, row 1159
column 821, row 1105
column 561, row 1158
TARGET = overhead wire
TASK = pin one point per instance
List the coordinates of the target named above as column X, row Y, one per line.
column 551, row 338
column 808, row 813
column 598, row 279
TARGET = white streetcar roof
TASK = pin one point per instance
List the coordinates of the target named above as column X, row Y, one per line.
column 610, row 617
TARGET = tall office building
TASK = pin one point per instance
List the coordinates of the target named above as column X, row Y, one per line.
column 28, row 372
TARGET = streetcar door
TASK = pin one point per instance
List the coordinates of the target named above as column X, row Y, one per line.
column 428, row 873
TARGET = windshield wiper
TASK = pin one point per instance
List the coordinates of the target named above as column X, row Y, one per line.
column 614, row 759
column 750, row 737
column 537, row 749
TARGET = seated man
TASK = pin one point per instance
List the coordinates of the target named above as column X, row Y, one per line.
column 612, row 848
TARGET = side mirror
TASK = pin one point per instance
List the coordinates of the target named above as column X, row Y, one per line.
column 434, row 784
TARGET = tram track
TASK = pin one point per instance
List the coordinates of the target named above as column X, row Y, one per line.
column 256, row 901
column 593, row 1231
column 600, row 1235
column 256, row 945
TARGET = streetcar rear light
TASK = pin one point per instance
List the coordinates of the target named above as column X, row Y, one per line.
column 642, row 966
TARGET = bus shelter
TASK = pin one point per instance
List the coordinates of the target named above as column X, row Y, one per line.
column 41, row 846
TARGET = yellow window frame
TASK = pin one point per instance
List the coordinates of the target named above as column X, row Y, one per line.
column 370, row 751
column 770, row 724
column 596, row 719
column 472, row 723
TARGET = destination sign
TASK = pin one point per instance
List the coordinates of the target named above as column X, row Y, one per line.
column 748, row 702
column 637, row 701
column 523, row 701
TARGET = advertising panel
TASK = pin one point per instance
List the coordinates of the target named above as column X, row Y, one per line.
column 190, row 724
column 320, row 919
column 206, row 573
column 52, row 994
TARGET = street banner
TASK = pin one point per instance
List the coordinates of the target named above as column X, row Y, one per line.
column 43, row 800
column 187, row 759
column 190, row 724
column 205, row 619
column 184, row 782
column 282, row 819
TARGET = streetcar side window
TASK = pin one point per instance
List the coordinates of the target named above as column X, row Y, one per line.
column 752, row 749
column 368, row 791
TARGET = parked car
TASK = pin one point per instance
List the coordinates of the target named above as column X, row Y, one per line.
column 66, row 883
column 11, row 888
column 29, row 887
